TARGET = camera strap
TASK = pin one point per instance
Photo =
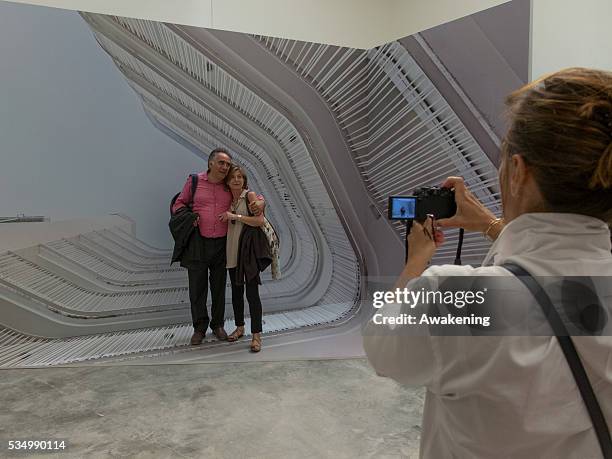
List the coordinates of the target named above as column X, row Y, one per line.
column 408, row 228
column 571, row 355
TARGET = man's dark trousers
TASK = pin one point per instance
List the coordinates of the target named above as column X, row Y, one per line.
column 213, row 262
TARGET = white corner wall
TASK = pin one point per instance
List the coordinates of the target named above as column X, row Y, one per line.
column 570, row 33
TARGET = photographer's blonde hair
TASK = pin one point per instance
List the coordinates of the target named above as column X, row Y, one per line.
column 562, row 126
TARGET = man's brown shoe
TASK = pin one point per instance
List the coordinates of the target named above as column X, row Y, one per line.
column 197, row 337
column 220, row 333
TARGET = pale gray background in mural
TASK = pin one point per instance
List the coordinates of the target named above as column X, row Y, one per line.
column 74, row 140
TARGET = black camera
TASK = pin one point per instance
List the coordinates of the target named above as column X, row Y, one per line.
column 440, row 202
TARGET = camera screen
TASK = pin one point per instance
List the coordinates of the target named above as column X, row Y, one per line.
column 401, row 207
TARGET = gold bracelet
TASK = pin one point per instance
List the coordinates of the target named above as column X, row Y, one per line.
column 493, row 222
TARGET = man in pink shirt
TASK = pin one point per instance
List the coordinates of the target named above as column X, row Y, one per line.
column 207, row 253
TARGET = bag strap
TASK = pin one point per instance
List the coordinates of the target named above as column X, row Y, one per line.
column 571, row 355
column 246, row 198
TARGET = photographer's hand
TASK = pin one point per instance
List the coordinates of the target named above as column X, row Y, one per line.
column 423, row 241
column 471, row 214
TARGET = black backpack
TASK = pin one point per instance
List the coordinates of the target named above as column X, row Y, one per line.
column 194, row 184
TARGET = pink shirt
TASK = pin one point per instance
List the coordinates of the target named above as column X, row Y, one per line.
column 211, row 199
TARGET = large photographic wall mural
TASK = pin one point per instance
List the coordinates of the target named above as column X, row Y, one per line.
column 104, row 118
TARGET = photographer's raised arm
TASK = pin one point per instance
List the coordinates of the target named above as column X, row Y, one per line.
column 422, row 241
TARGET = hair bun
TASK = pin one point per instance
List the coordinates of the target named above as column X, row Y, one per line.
column 598, row 110
column 602, row 177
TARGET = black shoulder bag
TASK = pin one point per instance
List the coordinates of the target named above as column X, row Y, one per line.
column 194, row 185
column 571, row 355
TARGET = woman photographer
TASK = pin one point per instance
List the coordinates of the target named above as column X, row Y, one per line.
column 515, row 396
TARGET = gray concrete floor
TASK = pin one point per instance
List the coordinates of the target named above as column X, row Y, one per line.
column 317, row 408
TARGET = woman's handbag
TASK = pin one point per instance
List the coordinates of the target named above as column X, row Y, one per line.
column 273, row 242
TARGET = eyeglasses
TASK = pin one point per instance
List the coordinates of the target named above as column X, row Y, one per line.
column 224, row 163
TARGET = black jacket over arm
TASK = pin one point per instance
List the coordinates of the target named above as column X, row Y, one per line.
column 181, row 227
column 253, row 254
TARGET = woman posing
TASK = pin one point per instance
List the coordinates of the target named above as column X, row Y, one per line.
column 238, row 216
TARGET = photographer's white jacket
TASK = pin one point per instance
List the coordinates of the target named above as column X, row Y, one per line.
column 508, row 397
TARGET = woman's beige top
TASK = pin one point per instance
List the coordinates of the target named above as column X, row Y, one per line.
column 234, row 230
column 507, row 396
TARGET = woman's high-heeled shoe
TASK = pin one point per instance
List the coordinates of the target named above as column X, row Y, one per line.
column 256, row 342
column 236, row 334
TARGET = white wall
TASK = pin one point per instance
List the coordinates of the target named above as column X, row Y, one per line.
column 353, row 23
column 570, row 33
